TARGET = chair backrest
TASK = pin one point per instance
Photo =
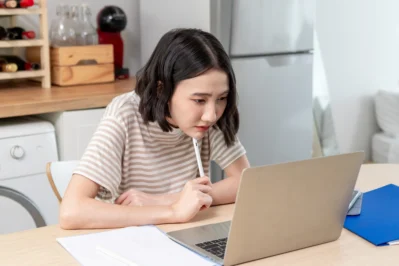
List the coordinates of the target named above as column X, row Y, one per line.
column 59, row 174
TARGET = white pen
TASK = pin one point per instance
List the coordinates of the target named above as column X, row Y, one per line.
column 115, row 256
column 197, row 154
column 358, row 194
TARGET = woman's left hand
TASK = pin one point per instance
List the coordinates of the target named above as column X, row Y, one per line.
column 134, row 197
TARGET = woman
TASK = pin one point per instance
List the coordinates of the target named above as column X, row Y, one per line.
column 141, row 161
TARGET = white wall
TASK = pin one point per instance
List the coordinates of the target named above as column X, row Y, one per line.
column 387, row 50
column 157, row 17
column 131, row 34
column 359, row 47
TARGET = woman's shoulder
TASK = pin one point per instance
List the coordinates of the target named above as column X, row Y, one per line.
column 124, row 106
column 125, row 99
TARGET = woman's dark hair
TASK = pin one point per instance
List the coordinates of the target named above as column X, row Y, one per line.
column 183, row 54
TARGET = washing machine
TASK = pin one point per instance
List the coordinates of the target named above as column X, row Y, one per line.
column 26, row 145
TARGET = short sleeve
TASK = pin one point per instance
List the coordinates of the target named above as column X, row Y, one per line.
column 222, row 154
column 102, row 159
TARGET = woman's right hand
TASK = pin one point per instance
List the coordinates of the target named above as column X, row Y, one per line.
column 194, row 197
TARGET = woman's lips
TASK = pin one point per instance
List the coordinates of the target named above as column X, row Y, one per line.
column 202, row 128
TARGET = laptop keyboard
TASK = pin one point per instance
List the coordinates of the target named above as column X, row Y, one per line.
column 216, row 247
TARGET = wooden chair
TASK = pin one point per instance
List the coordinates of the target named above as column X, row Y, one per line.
column 59, row 174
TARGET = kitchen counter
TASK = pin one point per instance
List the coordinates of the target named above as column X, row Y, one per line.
column 23, row 99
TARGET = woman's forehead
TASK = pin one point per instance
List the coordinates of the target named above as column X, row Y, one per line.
column 212, row 81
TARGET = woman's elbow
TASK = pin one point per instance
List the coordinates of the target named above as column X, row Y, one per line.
column 69, row 217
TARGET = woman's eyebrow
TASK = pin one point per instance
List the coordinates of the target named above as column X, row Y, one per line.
column 207, row 94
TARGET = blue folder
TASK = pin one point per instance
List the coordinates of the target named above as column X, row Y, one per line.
column 378, row 222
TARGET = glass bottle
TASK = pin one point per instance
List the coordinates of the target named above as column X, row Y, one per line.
column 88, row 34
column 63, row 32
column 53, row 31
column 7, row 67
column 21, row 64
column 3, row 33
column 76, row 23
column 18, row 33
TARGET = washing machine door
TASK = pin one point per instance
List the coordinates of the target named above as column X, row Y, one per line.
column 18, row 212
column 36, row 189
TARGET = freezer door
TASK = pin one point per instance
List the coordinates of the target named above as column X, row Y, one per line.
column 275, row 105
column 271, row 26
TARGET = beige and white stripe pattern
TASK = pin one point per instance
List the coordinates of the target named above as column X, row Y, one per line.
column 124, row 153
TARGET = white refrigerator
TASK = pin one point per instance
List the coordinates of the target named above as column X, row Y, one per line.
column 270, row 43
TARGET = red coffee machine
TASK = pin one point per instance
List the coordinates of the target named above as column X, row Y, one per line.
column 111, row 20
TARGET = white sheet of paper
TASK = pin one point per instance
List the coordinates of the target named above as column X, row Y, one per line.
column 141, row 245
column 396, row 242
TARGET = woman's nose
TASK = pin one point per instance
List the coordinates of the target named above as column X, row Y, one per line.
column 209, row 115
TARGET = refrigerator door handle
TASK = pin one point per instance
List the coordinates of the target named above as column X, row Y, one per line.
column 288, row 60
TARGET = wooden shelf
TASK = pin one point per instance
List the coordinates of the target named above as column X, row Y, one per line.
column 19, row 11
column 22, row 74
column 21, row 43
column 28, row 98
column 44, row 74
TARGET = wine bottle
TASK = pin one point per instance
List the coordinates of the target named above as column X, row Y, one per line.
column 8, row 3
column 21, row 64
column 25, row 3
column 18, row 33
column 7, row 67
column 16, row 3
column 3, row 33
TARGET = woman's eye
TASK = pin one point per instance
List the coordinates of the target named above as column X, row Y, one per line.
column 222, row 98
column 199, row 100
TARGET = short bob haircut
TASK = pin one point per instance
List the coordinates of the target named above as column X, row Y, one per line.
column 183, row 54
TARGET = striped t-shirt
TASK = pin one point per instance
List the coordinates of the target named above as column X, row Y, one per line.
column 125, row 153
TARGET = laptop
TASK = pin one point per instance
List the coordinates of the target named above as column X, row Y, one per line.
column 280, row 208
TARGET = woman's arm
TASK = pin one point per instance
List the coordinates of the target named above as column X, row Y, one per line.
column 136, row 197
column 79, row 209
column 225, row 191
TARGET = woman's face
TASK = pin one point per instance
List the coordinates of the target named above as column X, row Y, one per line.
column 198, row 103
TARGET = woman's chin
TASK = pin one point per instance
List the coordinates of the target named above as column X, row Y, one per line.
column 195, row 134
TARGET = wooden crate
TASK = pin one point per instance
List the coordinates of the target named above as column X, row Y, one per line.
column 74, row 65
